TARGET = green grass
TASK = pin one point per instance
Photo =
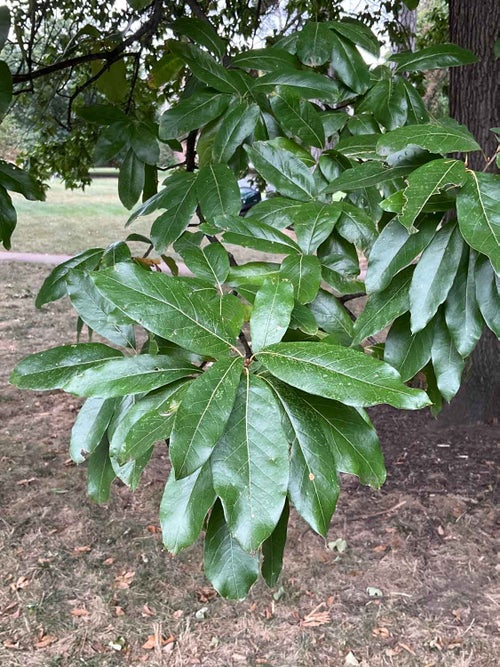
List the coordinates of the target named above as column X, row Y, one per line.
column 69, row 221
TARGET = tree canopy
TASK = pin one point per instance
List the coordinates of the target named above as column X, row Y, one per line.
column 259, row 373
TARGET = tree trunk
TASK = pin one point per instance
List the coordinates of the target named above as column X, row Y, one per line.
column 474, row 102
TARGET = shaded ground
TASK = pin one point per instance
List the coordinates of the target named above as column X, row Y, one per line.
column 417, row 583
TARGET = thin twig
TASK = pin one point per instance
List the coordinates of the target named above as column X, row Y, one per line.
column 381, row 513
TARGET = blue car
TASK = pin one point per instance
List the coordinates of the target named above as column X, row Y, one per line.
column 249, row 197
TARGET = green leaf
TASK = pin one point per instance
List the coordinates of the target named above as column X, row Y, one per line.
column 359, row 34
column 478, row 214
column 148, row 421
column 206, row 69
column 53, row 368
column 55, row 286
column 362, row 147
column 139, row 4
column 408, row 352
column 252, row 273
column 229, row 568
column 191, row 113
column 283, row 170
column 488, row 294
column 277, row 212
column 332, row 317
column 433, row 57
column 343, row 374
column 18, row 180
column 313, row 223
column 127, row 376
column 237, row 124
column 311, row 85
column 266, row 60
column 8, row 217
column 448, row 364
column 201, row 32
column 356, row 226
column 304, row 273
column 349, row 66
column 184, row 506
column 417, row 113
column 112, row 79
column 180, row 200
column 271, row 313
column 340, row 283
column 394, row 249
column 111, row 142
column 203, row 414
column 4, row 25
column 90, row 427
column 218, row 191
column 298, row 117
column 130, row 180
column 434, row 138
column 166, row 306
column 313, row 486
column 364, row 175
column 351, row 437
column 303, row 320
column 384, row 307
column 96, row 312
column 314, row 45
column 210, row 262
column 388, row 103
column 339, row 255
column 144, row 143
column 5, row 88
column 100, row 473
column 273, row 548
column 103, row 114
column 250, row 464
column 426, row 181
column 130, row 473
column 463, row 317
column 251, row 233
column 434, row 275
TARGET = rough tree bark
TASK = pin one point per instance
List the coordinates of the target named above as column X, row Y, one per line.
column 475, row 102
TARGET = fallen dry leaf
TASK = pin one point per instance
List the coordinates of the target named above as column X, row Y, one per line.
column 22, row 582
column 108, row 561
column 119, row 611
column 205, row 594
column 406, row 648
column 154, row 640
column 9, row 643
column 124, row 579
column 79, row 611
column 316, row 617
column 83, row 549
column 178, row 613
column 45, row 641
column 147, row 611
column 151, row 528
column 381, row 632
column 26, row 482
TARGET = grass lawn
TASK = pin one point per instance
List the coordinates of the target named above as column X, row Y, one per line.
column 71, row 221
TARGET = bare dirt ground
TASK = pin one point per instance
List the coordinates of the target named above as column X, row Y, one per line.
column 408, row 575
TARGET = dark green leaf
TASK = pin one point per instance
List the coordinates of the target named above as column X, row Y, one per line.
column 313, row 486
column 18, row 180
column 180, row 200
column 362, row 176
column 359, row 34
column 53, row 368
column 434, row 275
column 349, row 66
column 339, row 255
column 273, row 548
column 103, row 114
column 362, row 147
column 237, row 124
column 229, row 568
column 384, row 307
column 145, row 144
column 417, row 113
column 4, row 25
column 314, row 45
column 266, row 60
column 166, row 306
column 488, row 294
column 313, row 223
column 55, row 286
column 298, row 117
column 433, row 57
column 201, row 32
column 394, row 249
column 277, row 212
column 100, row 473
column 408, row 352
column 304, row 273
column 127, row 376
column 90, row 427
column 332, row 317
column 8, row 217
column 130, row 180
column 206, row 69
column 448, row 364
column 356, row 226
column 250, row 464
column 96, row 312
column 253, row 273
column 388, row 103
column 203, row 414
column 5, row 88
column 184, row 506
column 192, row 113
column 426, row 181
column 310, row 85
column 478, row 213
column 434, row 138
column 211, row 262
column 251, row 233
column 111, row 142
column 283, row 170
column 218, row 191
column 463, row 317
column 271, row 312
column 343, row 374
